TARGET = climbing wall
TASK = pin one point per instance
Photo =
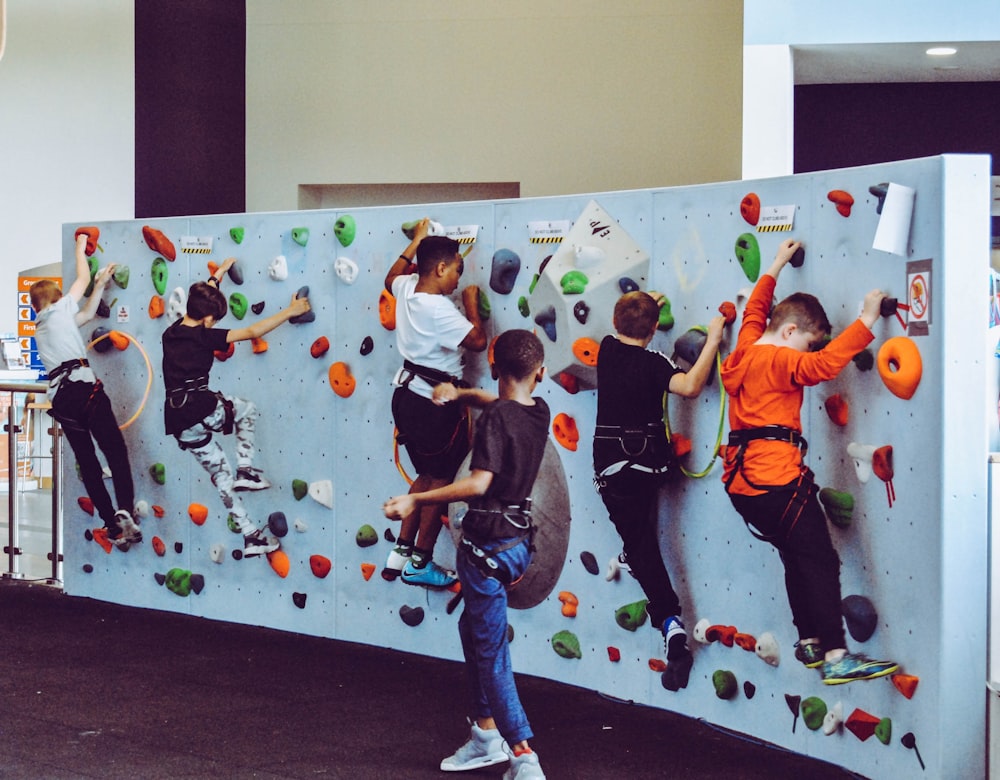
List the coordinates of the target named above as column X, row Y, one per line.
column 913, row 547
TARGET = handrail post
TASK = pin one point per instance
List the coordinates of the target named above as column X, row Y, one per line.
column 56, row 554
column 13, row 531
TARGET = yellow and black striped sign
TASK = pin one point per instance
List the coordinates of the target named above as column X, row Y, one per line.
column 196, row 245
column 773, row 228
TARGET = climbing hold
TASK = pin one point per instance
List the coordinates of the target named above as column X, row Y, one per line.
column 103, row 310
column 506, row 266
column 367, row 570
column 900, row 366
column 792, row 701
column 836, row 409
column 279, row 562
column 700, row 631
column 237, row 233
column 767, row 649
column 159, row 473
column 839, row 506
column 233, row 526
column 833, row 718
column 300, row 526
column 341, row 379
column 861, row 724
column 235, row 274
column 862, row 455
column 101, row 339
column 94, row 265
column 864, row 360
column 387, row 310
column 883, row 731
column 568, row 382
column 346, row 269
column 158, row 511
column 627, row 285
column 178, row 547
column 522, row 306
column 118, row 340
column 278, row 524
column 319, row 347
column 565, row 431
column 689, row 345
column 299, row 599
column 177, row 304
column 842, row 200
column 589, row 256
column 277, row 269
column 573, row 282
column 238, row 305
column 433, row 228
column 910, row 743
column 158, row 242
column 906, row 684
column 546, row 320
column 121, row 276
column 300, row 488
column 92, row 234
column 100, row 535
column 749, row 689
column 589, row 562
column 88, row 568
column 344, row 229
column 485, row 310
column 728, row 310
column 156, row 307
column 746, row 641
column 724, row 682
column 412, row 616
column 217, row 552
column 86, row 505
column 798, row 258
column 581, row 311
column 665, row 319
column 300, row 235
column 182, row 582
column 882, row 462
column 309, row 316
column 320, row 565
column 750, row 208
column 367, row 345
column 879, row 191
column 566, row 644
column 141, row 508
column 748, row 255
column 631, row 616
column 569, row 603
column 860, row 617
column 614, row 567
column 719, row 633
column 257, row 307
column 681, row 445
column 198, row 513
column 229, row 352
column 366, row 536
column 658, row 665
column 614, row 654
column 258, row 346
column 813, row 712
column 585, row 350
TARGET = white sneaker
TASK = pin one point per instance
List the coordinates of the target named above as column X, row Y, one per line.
column 485, row 747
column 394, row 564
column 524, row 767
column 250, row 479
column 130, row 532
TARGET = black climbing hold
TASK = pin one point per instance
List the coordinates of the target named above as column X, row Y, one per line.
column 278, row 524
column 388, row 535
column 581, row 311
column 412, row 616
column 197, row 583
column 88, row 568
column 367, row 345
column 258, row 307
column 160, row 578
column 749, row 689
column 627, row 285
column 589, row 562
column 798, row 258
column 178, row 547
column 299, row 599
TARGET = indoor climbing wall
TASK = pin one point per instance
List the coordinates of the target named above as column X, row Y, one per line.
column 898, row 442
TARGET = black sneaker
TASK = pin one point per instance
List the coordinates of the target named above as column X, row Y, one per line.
column 256, row 543
column 250, row 479
column 809, row 654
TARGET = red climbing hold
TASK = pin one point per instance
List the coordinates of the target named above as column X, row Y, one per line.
column 728, row 310
column 159, row 547
column 746, row 641
column 681, row 445
column 101, row 537
column 836, row 408
column 224, row 356
column 86, row 504
column 750, row 208
column 158, row 511
column 568, row 382
column 842, row 200
column 614, row 654
column 320, row 565
column 861, row 724
column 320, row 347
column 720, row 633
column 158, row 242
column 92, row 234
column 657, row 665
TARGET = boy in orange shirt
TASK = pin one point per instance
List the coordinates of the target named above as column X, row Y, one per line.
column 765, row 477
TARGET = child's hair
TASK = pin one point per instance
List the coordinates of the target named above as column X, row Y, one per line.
column 636, row 314
column 204, row 300
column 432, row 250
column 517, row 354
column 43, row 293
column 802, row 309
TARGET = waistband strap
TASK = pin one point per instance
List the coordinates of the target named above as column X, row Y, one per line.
column 432, row 376
column 67, row 366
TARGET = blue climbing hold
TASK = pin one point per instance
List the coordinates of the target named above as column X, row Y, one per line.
column 506, row 266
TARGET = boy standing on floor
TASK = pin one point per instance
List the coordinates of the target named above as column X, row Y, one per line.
column 193, row 413
column 79, row 402
column 430, row 333
column 495, row 550
column 779, row 353
column 632, row 457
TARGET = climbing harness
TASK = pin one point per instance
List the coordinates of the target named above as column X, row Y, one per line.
column 638, row 445
column 432, row 376
column 500, row 521
column 149, row 375
column 177, row 398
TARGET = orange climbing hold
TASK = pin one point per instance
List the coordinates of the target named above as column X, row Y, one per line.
column 387, row 310
column 92, row 234
column 842, row 200
column 86, row 504
column 156, row 307
column 564, row 429
column 198, row 513
column 279, row 562
column 367, row 570
column 158, row 511
column 159, row 547
column 681, row 445
column 119, row 339
column 585, row 350
column 158, row 242
column 320, row 565
column 657, row 665
column 101, row 537
column 720, row 633
column 750, row 208
column 836, row 409
column 259, row 345
column 569, row 603
column 861, row 724
column 320, row 347
column 906, row 684
column 221, row 356
column 746, row 641
column 900, row 366
column 212, row 267
column 341, row 379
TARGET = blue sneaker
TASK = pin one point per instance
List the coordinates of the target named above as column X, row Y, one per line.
column 809, row 654
column 430, row 575
column 855, row 666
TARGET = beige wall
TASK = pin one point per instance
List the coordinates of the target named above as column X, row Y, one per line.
column 562, row 96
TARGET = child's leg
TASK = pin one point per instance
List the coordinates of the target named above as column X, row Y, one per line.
column 91, row 471
column 245, row 424
column 109, row 438
column 213, row 459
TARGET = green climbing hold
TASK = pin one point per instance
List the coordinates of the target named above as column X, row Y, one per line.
column 666, row 320
column 300, row 489
column 94, row 267
column 238, row 305
column 485, row 310
column 183, row 582
column 300, row 235
column 159, row 274
column 748, row 255
column 236, row 234
column 159, row 473
column 566, row 644
column 232, row 524
column 883, row 730
column 534, row 281
column 725, row 683
column 813, row 712
column 366, row 536
column 631, row 616
column 522, row 306
column 344, row 229
column 573, row 282
column 839, row 506
column 120, row 276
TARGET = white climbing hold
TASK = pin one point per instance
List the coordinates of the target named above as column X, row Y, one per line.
column 278, row 269
column 177, row 304
column 862, row 455
column 322, row 492
column 217, row 552
column 346, row 269
column 699, row 630
column 142, row 508
column 300, row 526
column 767, row 649
column 833, row 718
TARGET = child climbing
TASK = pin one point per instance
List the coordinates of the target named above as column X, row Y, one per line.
column 193, row 413
column 633, row 459
column 430, row 333
column 765, row 476
column 78, row 399
column 495, row 550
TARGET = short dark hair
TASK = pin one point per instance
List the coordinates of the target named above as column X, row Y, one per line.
column 636, row 314
column 802, row 309
column 517, row 354
column 433, row 250
column 205, row 300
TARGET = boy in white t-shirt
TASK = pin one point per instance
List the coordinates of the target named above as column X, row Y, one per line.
column 430, row 332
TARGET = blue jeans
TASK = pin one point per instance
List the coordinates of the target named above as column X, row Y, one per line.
column 483, row 629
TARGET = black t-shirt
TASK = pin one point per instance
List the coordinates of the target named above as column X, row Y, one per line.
column 510, row 441
column 188, row 354
column 631, row 382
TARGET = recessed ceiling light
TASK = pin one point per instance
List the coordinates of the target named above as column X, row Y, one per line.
column 941, row 51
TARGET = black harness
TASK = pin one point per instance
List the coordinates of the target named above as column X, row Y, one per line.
column 63, row 370
column 66, row 367
column 177, row 398
column 502, row 521
column 432, row 376
column 637, row 449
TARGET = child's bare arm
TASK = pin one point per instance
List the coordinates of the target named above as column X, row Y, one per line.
column 871, row 309
column 446, row 392
column 691, row 383
column 475, row 340
column 295, row 308
column 408, row 255
column 476, row 484
column 82, row 280
column 785, row 252
column 89, row 309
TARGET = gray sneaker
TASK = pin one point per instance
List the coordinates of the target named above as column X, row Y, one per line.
column 485, row 747
column 524, row 767
column 129, row 527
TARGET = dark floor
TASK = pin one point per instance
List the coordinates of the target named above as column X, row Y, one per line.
column 96, row 690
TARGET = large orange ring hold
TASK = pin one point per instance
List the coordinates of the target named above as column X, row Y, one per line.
column 900, row 366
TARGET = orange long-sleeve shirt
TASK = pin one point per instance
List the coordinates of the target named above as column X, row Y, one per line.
column 765, row 386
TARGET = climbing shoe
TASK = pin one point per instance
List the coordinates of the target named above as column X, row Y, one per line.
column 485, row 747
column 678, row 670
column 809, row 654
column 250, row 479
column 430, row 575
column 394, row 564
column 129, row 527
column 524, row 766
column 256, row 543
column 855, row 666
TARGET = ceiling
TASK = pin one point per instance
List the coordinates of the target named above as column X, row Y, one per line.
column 895, row 62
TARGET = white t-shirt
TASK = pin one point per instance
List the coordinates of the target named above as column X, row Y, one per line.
column 429, row 330
column 58, row 339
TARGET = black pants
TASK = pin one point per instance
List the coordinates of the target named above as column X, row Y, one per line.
column 632, row 500
column 812, row 566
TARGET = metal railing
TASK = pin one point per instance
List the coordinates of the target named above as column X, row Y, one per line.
column 13, row 549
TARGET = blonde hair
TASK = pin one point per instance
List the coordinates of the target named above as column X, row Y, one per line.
column 44, row 293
